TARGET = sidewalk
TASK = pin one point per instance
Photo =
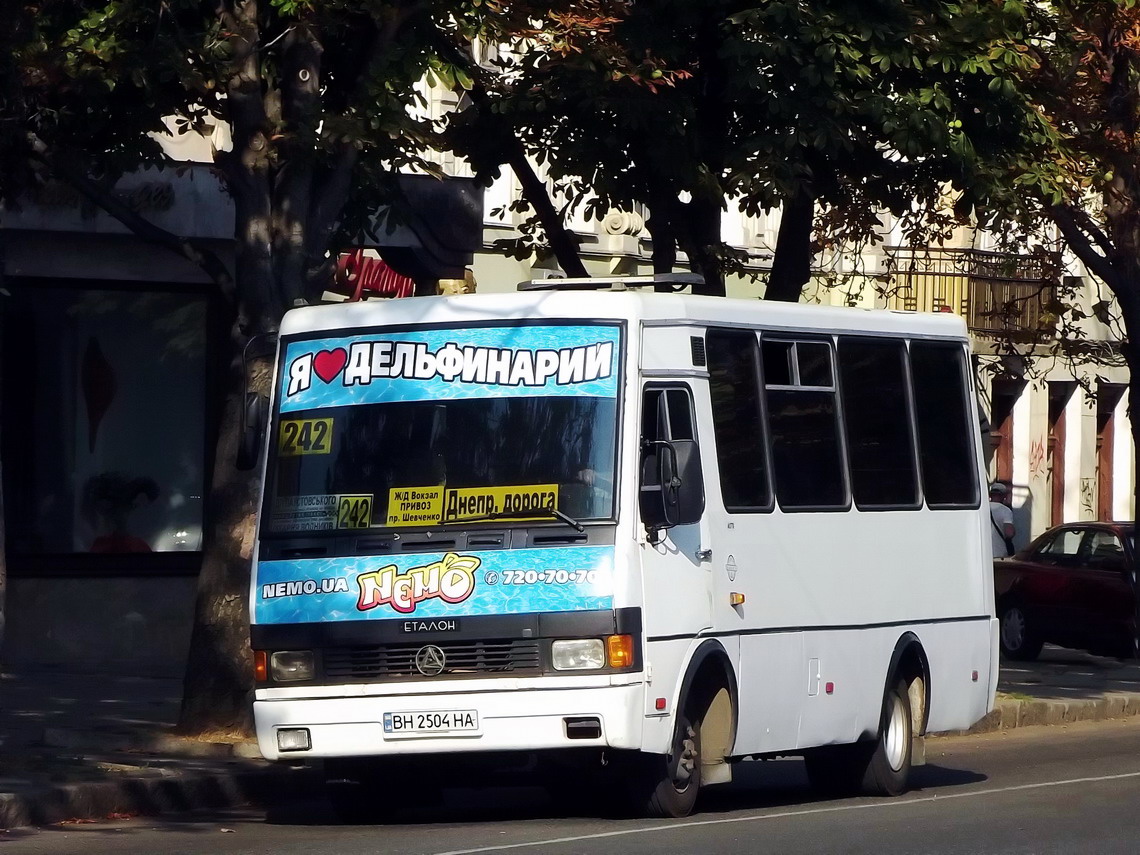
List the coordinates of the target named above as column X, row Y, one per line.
column 76, row 746
column 82, row 746
column 1063, row 686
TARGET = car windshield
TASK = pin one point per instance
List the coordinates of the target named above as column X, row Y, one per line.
column 423, row 451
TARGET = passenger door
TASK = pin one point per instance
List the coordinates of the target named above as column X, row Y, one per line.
column 676, row 575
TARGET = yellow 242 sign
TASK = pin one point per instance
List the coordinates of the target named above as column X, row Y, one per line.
column 304, row 436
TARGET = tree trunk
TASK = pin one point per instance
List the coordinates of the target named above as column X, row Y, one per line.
column 701, row 241
column 791, row 267
column 664, row 236
column 3, row 552
column 562, row 242
column 3, row 572
column 1132, row 358
column 218, row 684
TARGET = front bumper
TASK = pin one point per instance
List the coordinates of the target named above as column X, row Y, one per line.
column 513, row 720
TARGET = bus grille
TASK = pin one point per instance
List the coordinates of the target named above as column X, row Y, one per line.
column 463, row 659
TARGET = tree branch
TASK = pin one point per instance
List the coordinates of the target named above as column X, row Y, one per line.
column 1081, row 240
column 1086, row 223
column 192, row 250
column 534, row 189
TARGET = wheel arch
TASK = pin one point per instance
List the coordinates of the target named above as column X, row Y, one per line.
column 909, row 663
column 708, row 670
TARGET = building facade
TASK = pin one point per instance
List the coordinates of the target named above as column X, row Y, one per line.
column 106, row 420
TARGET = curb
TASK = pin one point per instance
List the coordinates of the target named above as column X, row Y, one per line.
column 174, row 746
column 1010, row 713
column 153, row 796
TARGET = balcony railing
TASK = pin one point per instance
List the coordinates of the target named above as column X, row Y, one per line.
column 996, row 292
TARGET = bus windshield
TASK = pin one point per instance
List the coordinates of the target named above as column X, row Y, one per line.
column 431, row 462
column 425, row 450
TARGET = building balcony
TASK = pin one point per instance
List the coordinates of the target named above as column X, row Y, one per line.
column 998, row 293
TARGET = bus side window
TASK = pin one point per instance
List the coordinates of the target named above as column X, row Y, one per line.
column 803, row 424
column 672, row 484
column 946, row 424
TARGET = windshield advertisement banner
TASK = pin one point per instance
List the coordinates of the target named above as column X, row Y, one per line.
column 434, row 585
column 439, row 364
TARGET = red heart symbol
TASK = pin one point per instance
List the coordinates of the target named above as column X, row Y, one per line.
column 328, row 363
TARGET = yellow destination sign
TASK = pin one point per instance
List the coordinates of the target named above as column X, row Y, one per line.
column 414, row 505
column 409, row 506
column 515, row 502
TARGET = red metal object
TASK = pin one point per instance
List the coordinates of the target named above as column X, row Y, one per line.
column 360, row 276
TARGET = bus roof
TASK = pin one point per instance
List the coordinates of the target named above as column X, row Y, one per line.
column 648, row 308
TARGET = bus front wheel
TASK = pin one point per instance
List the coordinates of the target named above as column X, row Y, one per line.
column 668, row 784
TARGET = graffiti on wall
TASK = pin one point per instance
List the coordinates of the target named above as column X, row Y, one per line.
column 1038, row 459
column 1088, row 498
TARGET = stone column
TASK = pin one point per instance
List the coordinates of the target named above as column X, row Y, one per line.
column 1081, row 456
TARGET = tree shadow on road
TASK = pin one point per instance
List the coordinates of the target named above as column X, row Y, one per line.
column 757, row 785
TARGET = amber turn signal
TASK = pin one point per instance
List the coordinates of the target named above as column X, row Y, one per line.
column 260, row 666
column 619, row 651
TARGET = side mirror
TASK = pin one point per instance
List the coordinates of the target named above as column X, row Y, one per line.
column 255, row 407
column 672, row 485
column 254, row 416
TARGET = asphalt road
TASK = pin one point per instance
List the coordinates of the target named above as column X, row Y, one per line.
column 1055, row 789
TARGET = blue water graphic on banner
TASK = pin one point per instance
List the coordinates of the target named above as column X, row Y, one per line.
column 438, row 364
column 432, row 585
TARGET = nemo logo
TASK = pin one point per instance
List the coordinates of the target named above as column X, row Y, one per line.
column 451, row 579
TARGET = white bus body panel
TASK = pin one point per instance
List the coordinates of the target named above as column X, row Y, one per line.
column 526, row 718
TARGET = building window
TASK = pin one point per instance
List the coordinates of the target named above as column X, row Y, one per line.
column 103, row 394
column 945, row 424
column 806, row 457
column 877, row 419
column 734, row 385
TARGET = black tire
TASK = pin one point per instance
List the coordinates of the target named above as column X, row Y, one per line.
column 362, row 793
column 888, row 771
column 1019, row 639
column 874, row 768
column 354, row 804
column 837, row 770
column 666, row 786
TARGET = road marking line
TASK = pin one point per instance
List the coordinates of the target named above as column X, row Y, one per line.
column 783, row 814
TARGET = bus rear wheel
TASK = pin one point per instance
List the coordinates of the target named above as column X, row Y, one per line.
column 874, row 768
column 889, row 769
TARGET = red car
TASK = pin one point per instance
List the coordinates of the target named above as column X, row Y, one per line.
column 1073, row 586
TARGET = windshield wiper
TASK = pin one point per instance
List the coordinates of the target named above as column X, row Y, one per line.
column 549, row 510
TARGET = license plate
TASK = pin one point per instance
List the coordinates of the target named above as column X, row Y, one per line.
column 430, row 723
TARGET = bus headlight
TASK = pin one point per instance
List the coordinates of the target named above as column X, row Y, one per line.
column 287, row 666
column 579, row 654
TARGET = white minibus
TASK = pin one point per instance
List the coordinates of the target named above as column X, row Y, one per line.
column 624, row 538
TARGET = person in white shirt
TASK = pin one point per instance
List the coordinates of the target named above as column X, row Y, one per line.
column 1001, row 519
